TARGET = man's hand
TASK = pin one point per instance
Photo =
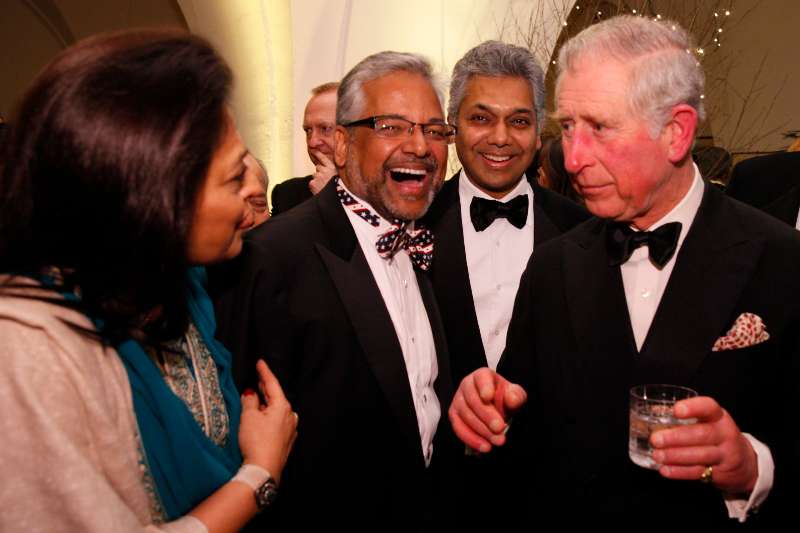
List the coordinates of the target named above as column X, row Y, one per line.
column 715, row 440
column 325, row 170
column 481, row 407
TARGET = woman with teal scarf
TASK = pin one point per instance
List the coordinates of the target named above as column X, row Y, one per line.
column 122, row 174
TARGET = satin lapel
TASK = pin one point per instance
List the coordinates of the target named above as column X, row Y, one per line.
column 598, row 312
column 711, row 270
column 444, row 383
column 543, row 228
column 368, row 315
column 451, row 278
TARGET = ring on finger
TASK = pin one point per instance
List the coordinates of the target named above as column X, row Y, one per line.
column 705, row 477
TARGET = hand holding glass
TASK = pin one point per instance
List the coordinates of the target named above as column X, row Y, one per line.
column 651, row 410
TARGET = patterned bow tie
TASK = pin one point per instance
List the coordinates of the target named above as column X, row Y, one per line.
column 483, row 212
column 661, row 243
column 417, row 242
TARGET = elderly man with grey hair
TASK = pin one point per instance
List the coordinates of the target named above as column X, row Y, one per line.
column 673, row 283
column 334, row 296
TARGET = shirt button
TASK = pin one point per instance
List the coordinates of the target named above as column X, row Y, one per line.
column 413, row 339
column 646, row 293
column 405, row 283
column 496, row 333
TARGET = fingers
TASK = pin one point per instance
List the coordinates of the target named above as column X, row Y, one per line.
column 324, row 160
column 467, row 436
column 702, row 408
column 268, row 383
column 514, row 397
column 250, row 400
column 690, row 473
column 484, row 380
column 690, row 435
column 473, row 392
column 475, row 427
column 689, row 456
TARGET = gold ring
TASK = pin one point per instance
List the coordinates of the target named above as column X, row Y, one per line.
column 705, row 477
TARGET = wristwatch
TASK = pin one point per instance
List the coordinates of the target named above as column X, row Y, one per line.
column 266, row 494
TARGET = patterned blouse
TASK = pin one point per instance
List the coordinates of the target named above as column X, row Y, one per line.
column 191, row 373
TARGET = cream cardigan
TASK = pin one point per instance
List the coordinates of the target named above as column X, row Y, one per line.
column 69, row 451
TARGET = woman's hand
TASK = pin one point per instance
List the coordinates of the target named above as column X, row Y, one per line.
column 267, row 432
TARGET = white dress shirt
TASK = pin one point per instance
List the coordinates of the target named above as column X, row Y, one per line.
column 397, row 283
column 644, row 286
column 496, row 258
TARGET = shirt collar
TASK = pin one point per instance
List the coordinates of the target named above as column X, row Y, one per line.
column 383, row 226
column 467, row 189
column 685, row 210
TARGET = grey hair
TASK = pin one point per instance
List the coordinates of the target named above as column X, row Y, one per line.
column 350, row 96
column 495, row 59
column 664, row 72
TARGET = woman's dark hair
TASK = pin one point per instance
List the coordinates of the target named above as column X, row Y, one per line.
column 551, row 159
column 104, row 160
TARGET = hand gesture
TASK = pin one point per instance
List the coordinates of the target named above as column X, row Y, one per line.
column 267, row 432
column 325, row 170
column 481, row 407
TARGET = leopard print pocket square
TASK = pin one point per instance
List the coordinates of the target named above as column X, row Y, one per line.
column 748, row 330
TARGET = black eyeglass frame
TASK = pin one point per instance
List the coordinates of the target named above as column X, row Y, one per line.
column 372, row 122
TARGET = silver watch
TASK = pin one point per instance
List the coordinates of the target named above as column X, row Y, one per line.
column 266, row 494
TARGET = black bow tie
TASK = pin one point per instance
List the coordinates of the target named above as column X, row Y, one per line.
column 621, row 241
column 483, row 212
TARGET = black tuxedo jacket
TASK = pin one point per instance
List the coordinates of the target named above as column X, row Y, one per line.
column 304, row 298
column 759, row 181
column 570, row 345
column 786, row 207
column 553, row 214
column 290, row 193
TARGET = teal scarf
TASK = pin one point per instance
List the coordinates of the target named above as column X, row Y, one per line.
column 185, row 464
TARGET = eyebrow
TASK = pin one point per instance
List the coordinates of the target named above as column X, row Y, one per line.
column 489, row 109
column 432, row 120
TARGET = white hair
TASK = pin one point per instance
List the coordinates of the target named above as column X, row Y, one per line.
column 664, row 72
column 350, row 95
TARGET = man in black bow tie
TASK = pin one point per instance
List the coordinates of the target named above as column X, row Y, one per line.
column 672, row 283
column 488, row 217
column 334, row 296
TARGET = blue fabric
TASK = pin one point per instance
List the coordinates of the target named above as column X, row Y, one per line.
column 185, row 464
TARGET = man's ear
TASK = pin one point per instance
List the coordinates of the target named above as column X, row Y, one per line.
column 340, row 139
column 680, row 132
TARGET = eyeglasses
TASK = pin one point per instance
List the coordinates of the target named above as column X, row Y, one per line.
column 257, row 203
column 391, row 127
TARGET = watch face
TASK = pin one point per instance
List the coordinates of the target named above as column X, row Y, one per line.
column 266, row 493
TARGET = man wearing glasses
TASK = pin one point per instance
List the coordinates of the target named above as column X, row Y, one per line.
column 334, row 296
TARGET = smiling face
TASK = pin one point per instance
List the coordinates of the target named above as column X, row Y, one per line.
column 397, row 176
column 618, row 168
column 496, row 137
column 221, row 214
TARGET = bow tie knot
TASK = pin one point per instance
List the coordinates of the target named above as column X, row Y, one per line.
column 621, row 241
column 483, row 212
column 417, row 242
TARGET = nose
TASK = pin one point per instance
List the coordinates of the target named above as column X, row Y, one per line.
column 314, row 139
column 498, row 136
column 577, row 151
column 417, row 143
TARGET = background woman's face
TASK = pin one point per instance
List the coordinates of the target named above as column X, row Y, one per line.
column 221, row 213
